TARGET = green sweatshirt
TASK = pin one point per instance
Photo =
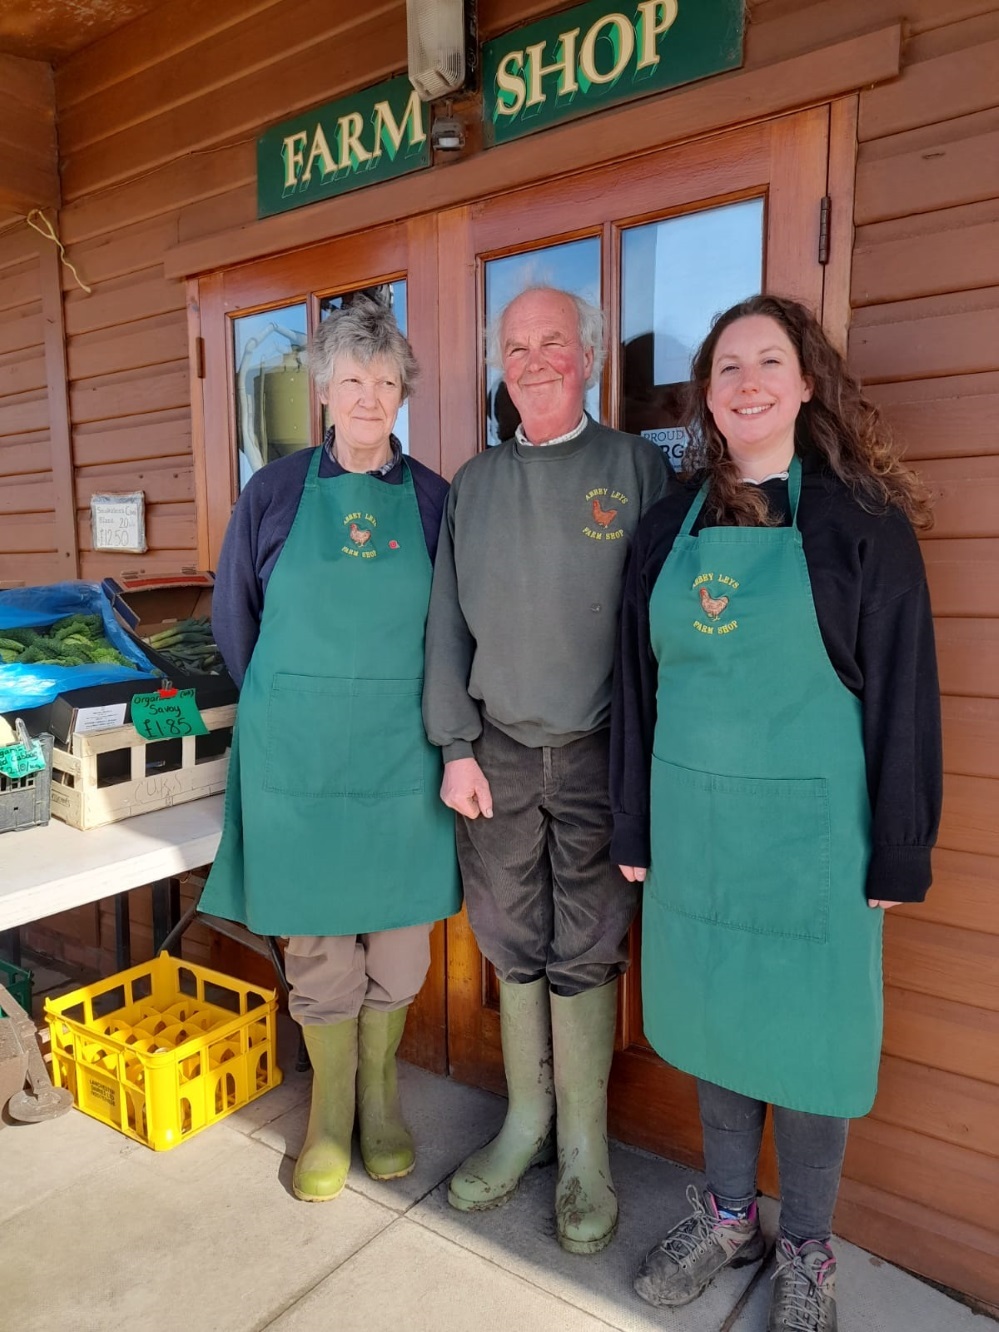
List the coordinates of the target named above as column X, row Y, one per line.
column 527, row 585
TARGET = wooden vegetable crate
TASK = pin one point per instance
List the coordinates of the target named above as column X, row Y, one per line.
column 105, row 776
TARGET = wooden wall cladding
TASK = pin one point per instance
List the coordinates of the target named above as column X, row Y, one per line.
column 37, row 542
column 925, row 336
column 28, row 538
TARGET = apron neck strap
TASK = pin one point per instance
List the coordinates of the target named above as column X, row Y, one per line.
column 313, row 472
column 794, row 488
column 694, row 509
column 793, row 496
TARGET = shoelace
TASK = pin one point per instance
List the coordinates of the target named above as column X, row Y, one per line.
column 683, row 1242
column 802, row 1299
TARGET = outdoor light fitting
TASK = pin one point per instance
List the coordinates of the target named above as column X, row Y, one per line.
column 436, row 37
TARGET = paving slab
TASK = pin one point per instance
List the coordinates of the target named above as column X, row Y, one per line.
column 99, row 1233
column 39, row 1160
column 199, row 1239
column 447, row 1119
column 409, row 1279
column 520, row 1237
column 873, row 1296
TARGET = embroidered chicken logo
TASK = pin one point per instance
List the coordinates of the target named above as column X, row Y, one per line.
column 360, row 535
column 603, row 517
column 712, row 606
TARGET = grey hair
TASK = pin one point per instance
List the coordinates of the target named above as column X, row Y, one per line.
column 364, row 329
column 591, row 330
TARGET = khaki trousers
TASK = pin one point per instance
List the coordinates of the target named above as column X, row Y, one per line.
column 332, row 977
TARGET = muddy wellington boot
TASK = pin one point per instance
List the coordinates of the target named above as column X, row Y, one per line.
column 386, row 1142
column 321, row 1169
column 583, row 1037
column 490, row 1176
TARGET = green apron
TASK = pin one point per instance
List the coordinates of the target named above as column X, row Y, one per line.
column 761, row 960
column 333, row 822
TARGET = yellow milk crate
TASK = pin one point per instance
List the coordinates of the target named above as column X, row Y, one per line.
column 165, row 1049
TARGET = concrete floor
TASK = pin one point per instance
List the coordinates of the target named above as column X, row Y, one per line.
column 98, row 1233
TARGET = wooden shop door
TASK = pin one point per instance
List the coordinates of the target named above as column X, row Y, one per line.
column 662, row 242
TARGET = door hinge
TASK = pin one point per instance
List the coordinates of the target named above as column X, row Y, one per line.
column 825, row 209
column 199, row 357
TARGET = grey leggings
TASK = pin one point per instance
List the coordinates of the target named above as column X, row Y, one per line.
column 810, row 1151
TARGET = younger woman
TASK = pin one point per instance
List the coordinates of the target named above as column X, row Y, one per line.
column 776, row 779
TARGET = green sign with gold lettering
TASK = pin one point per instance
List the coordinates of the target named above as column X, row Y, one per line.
column 598, row 54
column 371, row 136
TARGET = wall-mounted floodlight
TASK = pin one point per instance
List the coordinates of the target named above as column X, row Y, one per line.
column 436, row 37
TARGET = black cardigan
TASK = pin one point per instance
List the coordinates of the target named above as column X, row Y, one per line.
column 873, row 608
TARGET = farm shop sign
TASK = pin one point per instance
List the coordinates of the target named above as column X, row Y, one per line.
column 368, row 137
column 597, row 55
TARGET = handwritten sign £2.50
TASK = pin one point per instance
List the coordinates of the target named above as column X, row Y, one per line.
column 169, row 717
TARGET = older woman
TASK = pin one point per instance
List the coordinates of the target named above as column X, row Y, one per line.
column 334, row 835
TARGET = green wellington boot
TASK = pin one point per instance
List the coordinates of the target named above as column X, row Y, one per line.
column 490, row 1176
column 386, row 1142
column 321, row 1169
column 583, row 1038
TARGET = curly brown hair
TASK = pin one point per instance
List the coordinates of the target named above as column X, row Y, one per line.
column 837, row 422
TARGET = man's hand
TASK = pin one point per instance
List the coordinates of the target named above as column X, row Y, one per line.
column 465, row 789
column 634, row 873
column 885, row 906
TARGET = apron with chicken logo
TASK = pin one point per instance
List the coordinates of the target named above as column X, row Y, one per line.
column 333, row 822
column 761, row 960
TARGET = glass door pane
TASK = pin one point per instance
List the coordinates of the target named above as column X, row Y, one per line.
column 392, row 294
column 676, row 275
column 272, row 386
column 572, row 266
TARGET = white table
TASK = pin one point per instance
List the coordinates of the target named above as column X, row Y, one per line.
column 45, row 870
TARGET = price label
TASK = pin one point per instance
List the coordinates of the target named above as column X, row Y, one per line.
column 118, row 522
column 167, row 715
column 19, row 761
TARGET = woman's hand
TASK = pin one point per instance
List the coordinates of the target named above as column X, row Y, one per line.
column 871, row 902
column 466, row 790
column 634, row 873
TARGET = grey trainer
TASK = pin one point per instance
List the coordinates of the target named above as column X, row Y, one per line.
column 804, row 1292
column 695, row 1251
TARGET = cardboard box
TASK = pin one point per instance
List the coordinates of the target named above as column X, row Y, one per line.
column 97, row 708
column 93, row 708
column 146, row 603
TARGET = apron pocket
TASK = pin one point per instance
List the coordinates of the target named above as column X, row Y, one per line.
column 748, row 853
column 342, row 737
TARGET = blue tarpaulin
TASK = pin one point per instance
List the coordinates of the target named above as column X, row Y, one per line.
column 29, row 607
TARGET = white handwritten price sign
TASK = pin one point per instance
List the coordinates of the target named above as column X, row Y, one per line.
column 167, row 714
column 118, row 522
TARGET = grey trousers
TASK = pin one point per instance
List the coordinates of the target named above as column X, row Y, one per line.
column 543, row 897
column 333, row 976
column 810, row 1150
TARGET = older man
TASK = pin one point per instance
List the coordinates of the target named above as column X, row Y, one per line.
column 520, row 641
